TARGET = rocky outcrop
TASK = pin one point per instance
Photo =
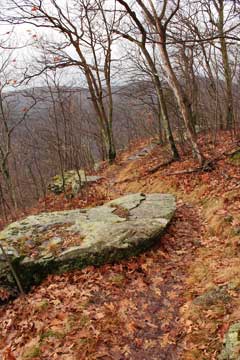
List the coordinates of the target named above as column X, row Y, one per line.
column 234, row 158
column 73, row 182
column 143, row 152
column 231, row 350
column 214, row 296
column 60, row 241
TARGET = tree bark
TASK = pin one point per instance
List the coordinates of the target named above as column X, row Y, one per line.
column 182, row 100
column 163, row 106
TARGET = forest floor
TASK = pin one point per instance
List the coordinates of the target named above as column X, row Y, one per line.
column 175, row 301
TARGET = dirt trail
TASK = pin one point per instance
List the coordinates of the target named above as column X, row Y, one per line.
column 165, row 288
column 165, row 291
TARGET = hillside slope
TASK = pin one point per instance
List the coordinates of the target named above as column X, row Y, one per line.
column 174, row 302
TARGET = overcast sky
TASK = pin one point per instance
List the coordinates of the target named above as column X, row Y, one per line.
column 29, row 35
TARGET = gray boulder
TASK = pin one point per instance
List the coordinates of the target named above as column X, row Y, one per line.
column 73, row 181
column 235, row 158
column 213, row 297
column 231, row 349
column 65, row 240
column 143, row 152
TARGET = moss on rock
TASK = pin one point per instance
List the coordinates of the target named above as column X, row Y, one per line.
column 71, row 181
column 81, row 238
column 235, row 158
column 231, row 350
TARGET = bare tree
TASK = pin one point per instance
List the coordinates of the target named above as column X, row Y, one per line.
column 84, row 40
column 141, row 42
column 224, row 14
column 159, row 21
column 9, row 121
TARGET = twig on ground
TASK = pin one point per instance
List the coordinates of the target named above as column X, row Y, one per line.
column 207, row 166
column 19, row 285
column 159, row 166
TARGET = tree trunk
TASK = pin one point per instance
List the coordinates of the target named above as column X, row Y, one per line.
column 228, row 79
column 163, row 106
column 182, row 100
column 110, row 144
column 227, row 70
column 104, row 123
column 166, row 125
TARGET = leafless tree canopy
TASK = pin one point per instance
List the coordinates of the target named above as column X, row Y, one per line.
column 86, row 77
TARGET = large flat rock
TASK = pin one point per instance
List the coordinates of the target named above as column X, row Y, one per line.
column 60, row 241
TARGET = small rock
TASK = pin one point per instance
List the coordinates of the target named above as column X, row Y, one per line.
column 97, row 166
column 235, row 158
column 143, row 152
column 73, row 182
column 236, row 230
column 231, row 349
column 228, row 218
column 212, row 297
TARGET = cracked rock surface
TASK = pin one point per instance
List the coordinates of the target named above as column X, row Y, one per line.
column 60, row 241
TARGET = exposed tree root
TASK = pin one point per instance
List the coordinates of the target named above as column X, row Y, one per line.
column 160, row 166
